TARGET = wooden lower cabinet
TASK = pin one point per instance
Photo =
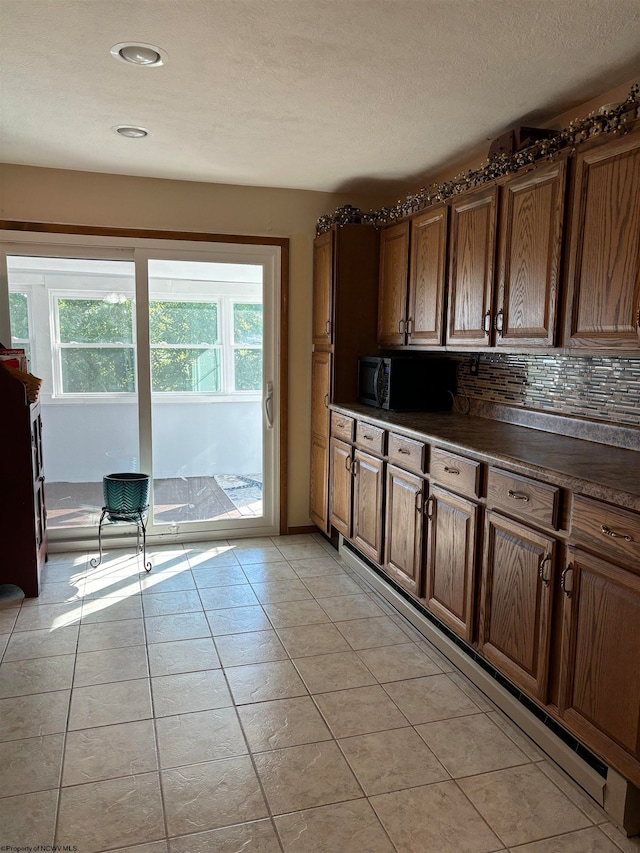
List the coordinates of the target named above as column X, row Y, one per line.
column 341, row 488
column 319, row 483
column 515, row 604
column 403, row 528
column 368, row 494
column 451, row 561
column 600, row 677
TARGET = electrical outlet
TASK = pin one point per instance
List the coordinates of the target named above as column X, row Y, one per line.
column 474, row 365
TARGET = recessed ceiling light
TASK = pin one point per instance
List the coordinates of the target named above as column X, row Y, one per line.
column 130, row 131
column 138, row 53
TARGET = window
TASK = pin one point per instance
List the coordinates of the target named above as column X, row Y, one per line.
column 96, row 345
column 20, row 325
column 185, row 346
column 247, row 346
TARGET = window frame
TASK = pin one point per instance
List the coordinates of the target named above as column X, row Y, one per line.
column 57, row 346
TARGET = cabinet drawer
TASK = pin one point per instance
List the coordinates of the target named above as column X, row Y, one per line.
column 406, row 452
column 460, row 474
column 342, row 426
column 613, row 531
column 370, row 438
column 529, row 499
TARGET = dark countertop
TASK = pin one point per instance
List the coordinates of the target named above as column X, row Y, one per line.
column 586, row 467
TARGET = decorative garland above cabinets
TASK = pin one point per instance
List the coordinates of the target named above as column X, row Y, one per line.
column 608, row 119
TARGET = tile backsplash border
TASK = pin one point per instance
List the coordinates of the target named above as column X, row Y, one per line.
column 596, row 398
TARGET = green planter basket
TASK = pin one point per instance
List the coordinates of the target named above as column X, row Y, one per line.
column 126, row 500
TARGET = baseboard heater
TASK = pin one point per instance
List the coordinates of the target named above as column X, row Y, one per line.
column 619, row 798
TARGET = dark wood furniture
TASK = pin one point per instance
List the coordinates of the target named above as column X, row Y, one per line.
column 345, row 272
column 23, row 514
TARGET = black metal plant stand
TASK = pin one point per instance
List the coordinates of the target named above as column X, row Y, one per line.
column 126, row 498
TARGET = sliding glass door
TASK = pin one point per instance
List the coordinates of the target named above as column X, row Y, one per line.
column 157, row 358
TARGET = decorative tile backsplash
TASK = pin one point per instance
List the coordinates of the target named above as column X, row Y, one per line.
column 600, row 389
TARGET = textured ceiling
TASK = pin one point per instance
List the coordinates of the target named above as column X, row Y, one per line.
column 323, row 94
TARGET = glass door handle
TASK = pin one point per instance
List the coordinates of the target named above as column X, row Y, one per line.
column 268, row 405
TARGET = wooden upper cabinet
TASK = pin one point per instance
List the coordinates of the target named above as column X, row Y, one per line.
column 392, row 293
column 603, row 282
column 471, row 261
column 600, row 680
column 425, row 313
column 322, row 321
column 529, row 250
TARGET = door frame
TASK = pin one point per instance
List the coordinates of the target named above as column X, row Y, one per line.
column 81, row 236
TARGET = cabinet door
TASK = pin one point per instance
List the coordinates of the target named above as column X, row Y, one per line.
column 319, row 477
column 531, row 220
column 319, row 483
column 322, row 321
column 403, row 528
column 600, row 680
column 341, row 489
column 471, row 260
column 367, row 505
column 603, row 281
column 515, row 610
column 427, row 277
column 451, row 561
column 320, row 393
column 392, row 294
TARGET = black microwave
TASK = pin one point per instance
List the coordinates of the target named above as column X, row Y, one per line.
column 407, row 383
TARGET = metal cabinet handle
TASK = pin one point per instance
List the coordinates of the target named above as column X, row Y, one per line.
column 449, row 470
column 614, row 535
column 410, row 326
column 497, row 323
column 429, row 507
column 544, row 558
column 404, row 451
column 419, row 501
column 347, row 463
column 486, row 323
column 355, row 467
column 401, row 327
column 326, row 401
column 327, row 327
column 519, row 496
column 563, row 580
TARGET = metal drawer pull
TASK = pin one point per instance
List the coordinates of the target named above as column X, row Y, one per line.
column 544, row 558
column 404, row 451
column 367, row 436
column 518, row 496
column 608, row 532
column 563, row 580
column 451, row 470
column 340, row 424
column 419, row 502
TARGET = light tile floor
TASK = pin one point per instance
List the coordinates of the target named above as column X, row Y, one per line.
column 256, row 696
